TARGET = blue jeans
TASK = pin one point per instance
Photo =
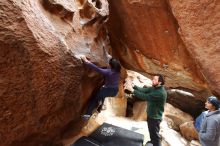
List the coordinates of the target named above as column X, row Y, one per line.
column 154, row 128
column 100, row 96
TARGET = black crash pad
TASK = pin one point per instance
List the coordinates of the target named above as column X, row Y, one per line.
column 110, row 135
column 86, row 141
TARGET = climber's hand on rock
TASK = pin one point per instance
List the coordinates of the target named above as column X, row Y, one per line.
column 84, row 59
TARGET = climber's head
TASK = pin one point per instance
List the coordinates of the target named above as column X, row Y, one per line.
column 115, row 64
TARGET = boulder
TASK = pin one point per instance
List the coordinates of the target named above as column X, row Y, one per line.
column 42, row 82
column 188, row 131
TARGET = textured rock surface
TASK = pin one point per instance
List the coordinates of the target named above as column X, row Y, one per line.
column 188, row 100
column 176, row 117
column 178, row 39
column 146, row 32
column 188, row 131
column 171, row 137
column 199, row 28
column 41, row 79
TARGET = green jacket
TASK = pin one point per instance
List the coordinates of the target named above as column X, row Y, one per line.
column 156, row 98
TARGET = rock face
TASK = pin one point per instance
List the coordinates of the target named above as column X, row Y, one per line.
column 175, row 38
column 199, row 29
column 188, row 131
column 41, row 78
column 146, row 33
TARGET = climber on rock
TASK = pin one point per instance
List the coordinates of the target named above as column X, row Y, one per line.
column 111, row 85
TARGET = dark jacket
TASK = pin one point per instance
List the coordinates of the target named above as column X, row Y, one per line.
column 112, row 77
column 156, row 97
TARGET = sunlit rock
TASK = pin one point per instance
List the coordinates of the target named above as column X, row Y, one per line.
column 188, row 131
column 171, row 137
column 176, row 117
